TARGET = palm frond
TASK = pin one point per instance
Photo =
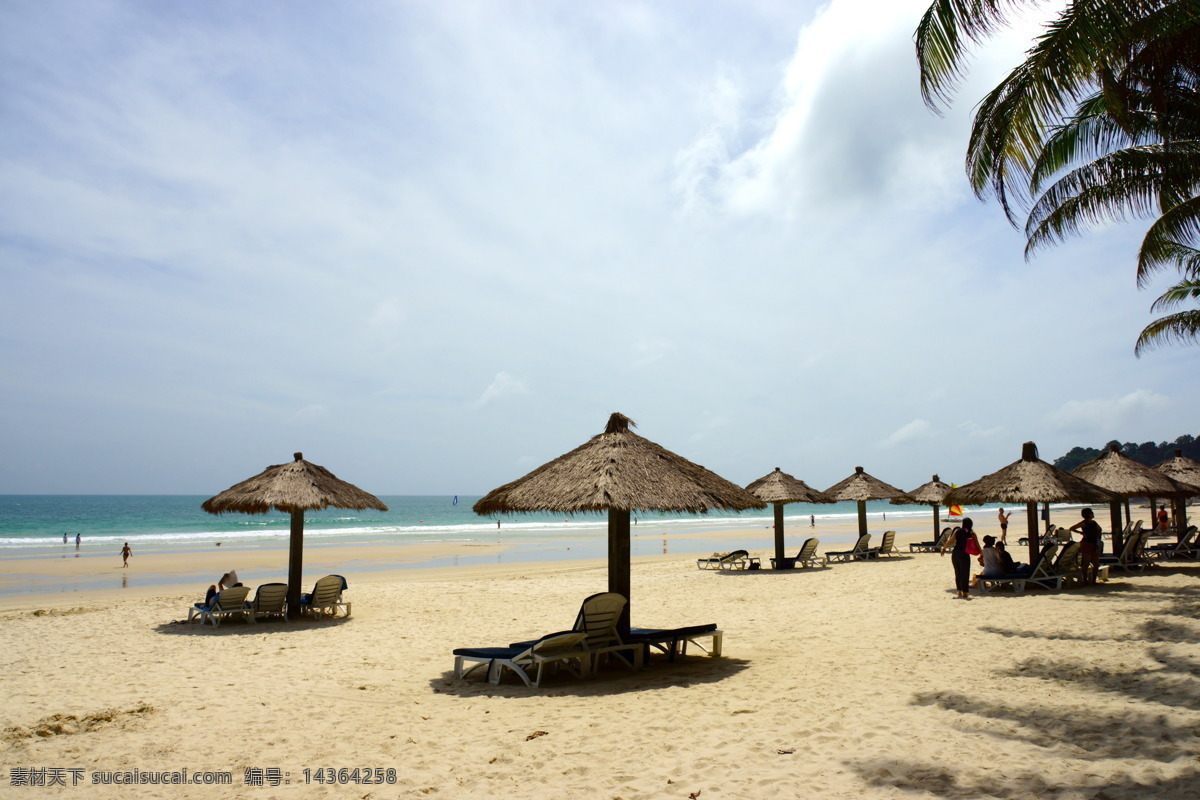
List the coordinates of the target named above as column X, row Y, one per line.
column 1162, row 243
column 1181, row 328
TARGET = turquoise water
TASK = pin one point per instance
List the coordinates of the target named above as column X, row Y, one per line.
column 42, row 520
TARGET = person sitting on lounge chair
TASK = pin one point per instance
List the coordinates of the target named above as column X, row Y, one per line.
column 227, row 580
column 1006, row 561
column 989, row 557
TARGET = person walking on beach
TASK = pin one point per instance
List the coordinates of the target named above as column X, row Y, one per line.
column 126, row 552
column 78, row 539
column 812, row 520
column 1089, row 547
column 1004, row 525
column 964, row 544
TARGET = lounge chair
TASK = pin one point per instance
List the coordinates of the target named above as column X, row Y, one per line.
column 270, row 600
column 738, row 559
column 225, row 603
column 674, row 641
column 598, row 617
column 859, row 551
column 326, row 598
column 1130, row 557
column 887, row 546
column 1039, row 570
column 1184, row 548
column 555, row 648
column 807, row 557
column 1066, row 566
column 930, row 547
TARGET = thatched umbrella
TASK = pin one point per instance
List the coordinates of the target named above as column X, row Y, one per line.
column 1186, row 471
column 927, row 494
column 1030, row 481
column 618, row 472
column 1127, row 478
column 779, row 488
column 862, row 487
column 294, row 488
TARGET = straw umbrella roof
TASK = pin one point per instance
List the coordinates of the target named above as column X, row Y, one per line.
column 862, row 486
column 1122, row 475
column 1028, row 480
column 927, row 494
column 618, row 470
column 296, row 486
column 1183, row 469
column 779, row 487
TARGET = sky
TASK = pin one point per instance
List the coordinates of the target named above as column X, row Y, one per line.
column 433, row 245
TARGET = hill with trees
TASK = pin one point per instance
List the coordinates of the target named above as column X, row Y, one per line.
column 1147, row 453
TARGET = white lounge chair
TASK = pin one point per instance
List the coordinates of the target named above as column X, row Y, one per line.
column 858, row 552
column 270, row 600
column 807, row 557
column 326, row 598
column 225, row 603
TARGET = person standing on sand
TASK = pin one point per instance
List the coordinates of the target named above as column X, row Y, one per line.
column 1004, row 525
column 64, row 537
column 78, row 539
column 960, row 541
column 1089, row 547
column 812, row 520
column 126, row 552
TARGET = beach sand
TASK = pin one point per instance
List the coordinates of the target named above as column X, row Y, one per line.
column 860, row 680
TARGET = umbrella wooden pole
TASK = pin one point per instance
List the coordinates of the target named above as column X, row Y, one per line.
column 618, row 562
column 1035, row 536
column 1114, row 509
column 937, row 522
column 1180, row 518
column 1128, row 518
column 779, row 534
column 862, row 517
column 295, row 563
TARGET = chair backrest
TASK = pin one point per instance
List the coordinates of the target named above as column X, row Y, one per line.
column 270, row 597
column 557, row 642
column 944, row 537
column 1137, row 527
column 598, row 618
column 1066, row 559
column 327, row 590
column 1044, row 559
column 808, row 549
column 889, row 541
column 230, row 599
column 736, row 554
column 862, row 542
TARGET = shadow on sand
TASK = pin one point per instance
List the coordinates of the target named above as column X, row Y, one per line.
column 1144, row 729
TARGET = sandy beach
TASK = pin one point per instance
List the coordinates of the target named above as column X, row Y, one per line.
column 860, row 680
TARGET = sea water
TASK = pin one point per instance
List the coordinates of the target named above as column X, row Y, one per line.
column 37, row 521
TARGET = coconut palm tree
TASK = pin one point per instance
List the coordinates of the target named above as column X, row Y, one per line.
column 1100, row 122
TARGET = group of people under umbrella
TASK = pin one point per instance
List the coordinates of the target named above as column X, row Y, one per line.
column 620, row 472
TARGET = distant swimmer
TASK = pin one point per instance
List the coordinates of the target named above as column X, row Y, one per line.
column 78, row 539
column 64, row 538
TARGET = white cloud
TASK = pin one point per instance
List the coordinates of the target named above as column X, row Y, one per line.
column 917, row 429
column 1103, row 416
column 977, row 431
column 648, row 351
column 502, row 385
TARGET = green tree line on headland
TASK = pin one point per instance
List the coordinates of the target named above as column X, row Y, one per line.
column 1147, row 453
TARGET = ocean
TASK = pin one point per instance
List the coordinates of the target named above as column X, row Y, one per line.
column 41, row 521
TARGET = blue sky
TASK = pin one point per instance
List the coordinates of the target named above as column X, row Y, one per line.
column 434, row 245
